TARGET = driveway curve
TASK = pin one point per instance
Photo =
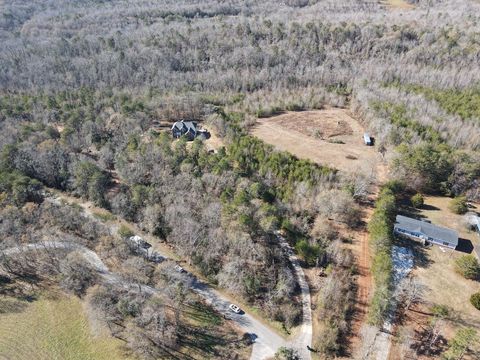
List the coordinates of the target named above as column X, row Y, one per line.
column 266, row 342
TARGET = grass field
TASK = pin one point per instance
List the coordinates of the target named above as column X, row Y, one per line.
column 51, row 329
column 329, row 137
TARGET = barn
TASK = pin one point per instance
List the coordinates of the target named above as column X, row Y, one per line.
column 425, row 232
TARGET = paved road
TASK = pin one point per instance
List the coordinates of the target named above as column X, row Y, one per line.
column 267, row 341
column 90, row 256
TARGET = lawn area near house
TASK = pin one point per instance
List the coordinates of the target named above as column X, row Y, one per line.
column 434, row 266
column 445, row 285
column 436, row 210
column 51, row 329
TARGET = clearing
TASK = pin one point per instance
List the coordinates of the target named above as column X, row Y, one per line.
column 398, row 4
column 51, row 328
column 328, row 137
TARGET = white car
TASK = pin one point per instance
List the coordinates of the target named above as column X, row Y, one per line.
column 235, row 308
column 179, row 269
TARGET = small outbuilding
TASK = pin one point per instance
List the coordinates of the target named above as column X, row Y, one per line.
column 473, row 221
column 367, row 139
column 425, row 232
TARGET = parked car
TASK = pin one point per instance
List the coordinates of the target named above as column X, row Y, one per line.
column 179, row 269
column 156, row 258
column 235, row 308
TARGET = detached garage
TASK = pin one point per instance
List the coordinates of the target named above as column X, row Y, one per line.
column 425, row 232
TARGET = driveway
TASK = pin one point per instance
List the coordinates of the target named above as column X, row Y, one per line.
column 267, row 341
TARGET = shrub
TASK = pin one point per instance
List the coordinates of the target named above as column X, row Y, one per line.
column 309, row 253
column 468, row 266
column 125, row 232
column 440, row 311
column 475, row 300
column 458, row 205
column 459, row 345
column 285, row 353
column 417, row 200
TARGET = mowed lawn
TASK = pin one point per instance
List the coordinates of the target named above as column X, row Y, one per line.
column 51, row 329
column 444, row 285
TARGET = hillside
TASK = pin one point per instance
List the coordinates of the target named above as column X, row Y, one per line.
column 263, row 195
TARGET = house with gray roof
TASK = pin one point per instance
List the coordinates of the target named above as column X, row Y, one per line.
column 426, row 232
column 187, row 128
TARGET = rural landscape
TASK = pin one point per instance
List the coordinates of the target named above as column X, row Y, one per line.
column 283, row 180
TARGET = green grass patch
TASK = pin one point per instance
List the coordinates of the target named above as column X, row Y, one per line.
column 104, row 216
column 51, row 329
column 204, row 315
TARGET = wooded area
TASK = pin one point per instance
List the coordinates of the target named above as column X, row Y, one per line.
column 84, row 86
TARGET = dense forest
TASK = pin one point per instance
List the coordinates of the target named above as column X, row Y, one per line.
column 83, row 85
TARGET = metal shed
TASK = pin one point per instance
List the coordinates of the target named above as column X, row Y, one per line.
column 367, row 139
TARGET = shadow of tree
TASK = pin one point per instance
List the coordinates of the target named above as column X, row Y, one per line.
column 421, row 257
column 429, row 207
column 424, row 345
column 9, row 306
column 207, row 342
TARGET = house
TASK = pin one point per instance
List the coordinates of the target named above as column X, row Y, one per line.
column 367, row 139
column 184, row 128
column 426, row 232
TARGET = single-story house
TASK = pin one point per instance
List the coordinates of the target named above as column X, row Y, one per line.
column 367, row 139
column 187, row 128
column 426, row 232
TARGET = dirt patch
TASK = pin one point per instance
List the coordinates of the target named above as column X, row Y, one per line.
column 309, row 123
column 364, row 282
column 214, row 142
column 329, row 137
column 398, row 4
column 413, row 335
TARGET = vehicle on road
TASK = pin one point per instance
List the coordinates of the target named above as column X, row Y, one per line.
column 235, row 308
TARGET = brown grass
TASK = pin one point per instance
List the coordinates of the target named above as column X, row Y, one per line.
column 444, row 286
column 215, row 142
column 329, row 137
column 398, row 4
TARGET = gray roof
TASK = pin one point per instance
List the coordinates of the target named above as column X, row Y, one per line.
column 430, row 230
column 189, row 125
